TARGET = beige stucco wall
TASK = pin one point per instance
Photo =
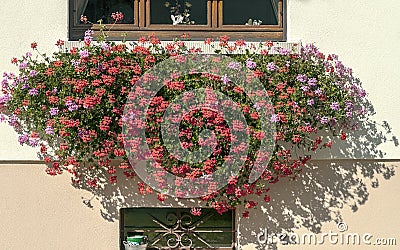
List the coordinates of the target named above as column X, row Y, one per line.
column 48, row 213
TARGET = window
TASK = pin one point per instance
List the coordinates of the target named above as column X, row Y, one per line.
column 250, row 19
column 177, row 228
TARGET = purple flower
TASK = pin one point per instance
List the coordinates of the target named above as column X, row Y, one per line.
column 275, row 118
column 361, row 92
column 234, row 65
column 312, row 82
column 100, row 67
column 225, row 79
column 335, row 106
column 271, row 67
column 89, row 33
column 318, row 91
column 305, row 88
column 257, row 106
column 5, row 98
column 349, row 114
column 25, row 86
column 310, row 49
column 23, row 65
column 54, row 111
column 84, row 53
column 81, row 133
column 324, row 120
column 105, row 46
column 33, row 92
column 88, row 37
column 13, row 120
column 333, row 121
column 348, row 105
column 75, row 63
column 54, row 90
column 310, row 102
column 4, row 83
column 284, row 52
column 28, row 54
column 301, row 78
column 49, row 130
column 33, row 73
column 251, row 64
column 2, row 117
column 23, row 139
column 33, row 142
column 71, row 105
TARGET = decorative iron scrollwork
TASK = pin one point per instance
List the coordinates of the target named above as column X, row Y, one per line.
column 169, row 228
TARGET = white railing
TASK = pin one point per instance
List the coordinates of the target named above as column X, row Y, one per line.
column 253, row 47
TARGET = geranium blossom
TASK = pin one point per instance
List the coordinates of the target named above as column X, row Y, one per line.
column 74, row 105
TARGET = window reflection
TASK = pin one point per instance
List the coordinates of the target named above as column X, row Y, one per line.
column 102, row 9
column 250, row 12
column 183, row 12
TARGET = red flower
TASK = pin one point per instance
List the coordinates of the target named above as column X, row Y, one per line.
column 296, row 138
column 161, row 197
column 49, row 72
column 269, row 43
column 343, row 136
column 245, row 214
column 113, row 179
column 208, row 41
column 59, row 43
column 328, row 144
column 223, row 41
column 43, row 149
column 34, row 45
column 250, row 204
column 240, row 42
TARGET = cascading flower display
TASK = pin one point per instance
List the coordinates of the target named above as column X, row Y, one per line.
column 71, row 106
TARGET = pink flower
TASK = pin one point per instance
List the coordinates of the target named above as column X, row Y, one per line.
column 195, row 211
column 83, row 19
column 117, row 16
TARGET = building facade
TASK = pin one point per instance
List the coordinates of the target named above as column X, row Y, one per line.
column 359, row 187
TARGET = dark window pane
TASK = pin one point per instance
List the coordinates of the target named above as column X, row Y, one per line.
column 214, row 229
column 193, row 12
column 102, row 9
column 238, row 12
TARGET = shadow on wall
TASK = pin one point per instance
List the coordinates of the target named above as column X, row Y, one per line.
column 317, row 196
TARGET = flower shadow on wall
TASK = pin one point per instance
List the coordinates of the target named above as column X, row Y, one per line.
column 317, row 196
column 326, row 187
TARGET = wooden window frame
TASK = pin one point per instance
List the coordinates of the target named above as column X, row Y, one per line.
column 213, row 29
